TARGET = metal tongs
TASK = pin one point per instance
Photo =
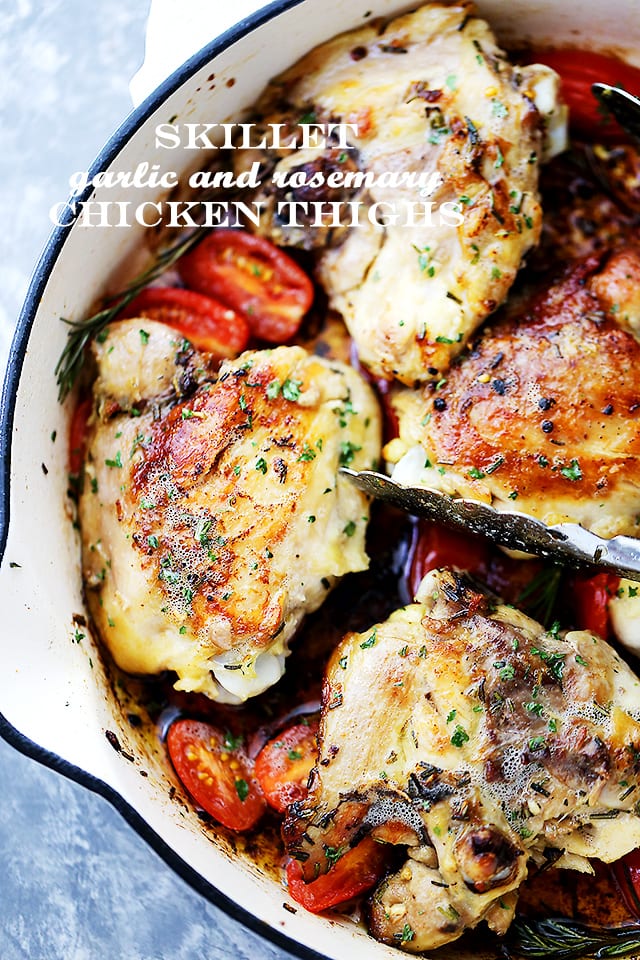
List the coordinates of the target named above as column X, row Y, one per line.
column 623, row 106
column 567, row 543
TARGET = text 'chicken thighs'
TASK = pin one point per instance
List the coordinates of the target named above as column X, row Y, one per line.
column 542, row 416
column 213, row 516
column 436, row 102
column 462, row 729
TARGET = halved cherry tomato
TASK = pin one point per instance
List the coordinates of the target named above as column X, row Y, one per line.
column 284, row 764
column 627, row 874
column 590, row 601
column 252, row 276
column 354, row 873
column 205, row 322
column 578, row 70
column 216, row 772
column 437, row 546
column 78, row 435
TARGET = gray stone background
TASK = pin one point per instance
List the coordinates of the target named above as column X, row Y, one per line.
column 76, row 882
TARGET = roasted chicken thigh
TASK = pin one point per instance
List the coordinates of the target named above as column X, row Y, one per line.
column 213, row 516
column 465, row 733
column 437, row 102
column 542, row 414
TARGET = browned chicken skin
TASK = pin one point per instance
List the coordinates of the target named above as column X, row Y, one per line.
column 213, row 516
column 465, row 731
column 543, row 414
column 432, row 96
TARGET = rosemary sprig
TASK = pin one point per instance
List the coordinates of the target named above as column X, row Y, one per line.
column 83, row 331
column 558, row 938
column 539, row 598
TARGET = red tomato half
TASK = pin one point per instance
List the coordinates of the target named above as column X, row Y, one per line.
column 284, row 764
column 206, row 323
column 578, row 70
column 252, row 276
column 216, row 772
column 354, row 873
column 438, row 546
column 627, row 874
column 78, row 435
column 590, row 601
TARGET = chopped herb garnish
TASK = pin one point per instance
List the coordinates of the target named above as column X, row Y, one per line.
column 406, row 935
column 117, row 462
column 460, row 736
column 291, row 389
column 370, row 641
column 261, row 465
column 533, row 707
column 494, row 466
column 350, row 528
column 230, row 742
column 347, row 453
column 573, row 471
column 308, row 453
column 144, row 336
column 333, row 854
column 242, row 789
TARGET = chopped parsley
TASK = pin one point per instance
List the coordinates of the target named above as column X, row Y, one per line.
column 370, row 641
column 117, row 462
column 291, row 389
column 424, row 260
column 460, row 736
column 230, row 742
column 347, row 453
column 573, row 471
column 533, row 707
column 308, row 453
column 242, row 789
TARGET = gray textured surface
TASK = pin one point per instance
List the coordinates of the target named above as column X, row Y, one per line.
column 76, row 882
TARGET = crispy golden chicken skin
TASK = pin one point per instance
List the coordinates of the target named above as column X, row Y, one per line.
column 543, row 414
column 462, row 730
column 213, row 517
column 433, row 97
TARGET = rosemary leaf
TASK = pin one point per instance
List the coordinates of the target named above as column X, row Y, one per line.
column 82, row 332
column 559, row 938
column 538, row 599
